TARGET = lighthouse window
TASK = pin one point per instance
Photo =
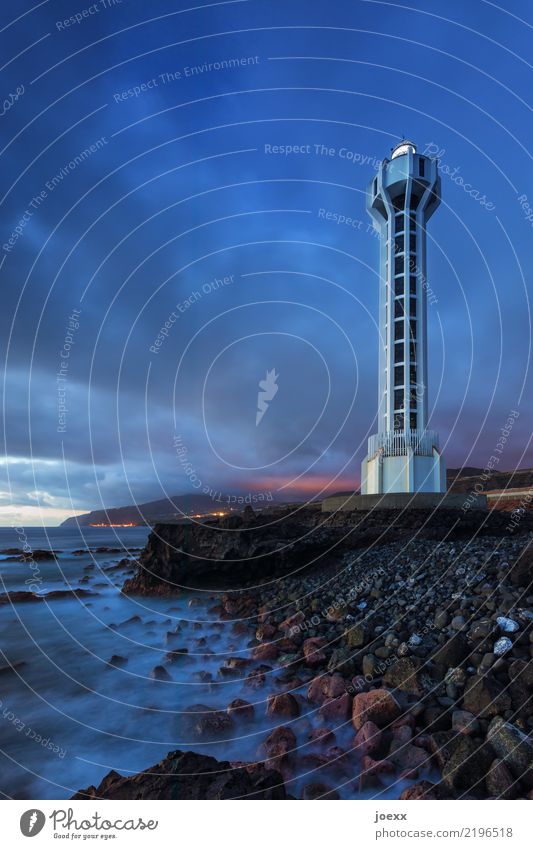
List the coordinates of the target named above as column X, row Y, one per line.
column 412, row 285
column 398, row 399
column 399, row 219
column 413, row 306
column 412, row 374
column 398, row 375
column 398, row 244
column 421, row 168
column 398, row 421
column 399, row 202
column 412, row 421
column 412, row 327
column 398, row 285
column 412, row 242
column 398, row 264
column 398, row 331
column 375, row 185
column 414, row 202
column 412, row 352
column 398, row 353
column 399, row 310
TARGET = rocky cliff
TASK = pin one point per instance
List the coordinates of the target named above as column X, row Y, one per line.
column 255, row 548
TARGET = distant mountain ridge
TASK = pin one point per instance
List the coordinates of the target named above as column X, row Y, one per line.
column 165, row 508
column 462, row 480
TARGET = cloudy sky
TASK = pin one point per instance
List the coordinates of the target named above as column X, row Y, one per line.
column 168, row 169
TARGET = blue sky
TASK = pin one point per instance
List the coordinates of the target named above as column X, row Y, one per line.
column 147, row 133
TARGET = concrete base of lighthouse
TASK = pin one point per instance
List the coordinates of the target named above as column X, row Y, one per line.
column 403, row 501
column 408, row 473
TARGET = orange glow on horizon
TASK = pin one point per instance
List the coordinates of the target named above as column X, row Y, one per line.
column 309, row 485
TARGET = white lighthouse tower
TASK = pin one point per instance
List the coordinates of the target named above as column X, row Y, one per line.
column 403, row 456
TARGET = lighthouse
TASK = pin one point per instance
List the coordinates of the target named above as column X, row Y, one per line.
column 403, row 456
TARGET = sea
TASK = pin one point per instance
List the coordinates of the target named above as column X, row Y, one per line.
column 78, row 696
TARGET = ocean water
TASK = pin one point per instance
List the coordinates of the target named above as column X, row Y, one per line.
column 67, row 717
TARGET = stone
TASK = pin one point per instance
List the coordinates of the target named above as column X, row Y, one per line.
column 455, row 676
column 201, row 721
column 458, row 623
column 317, row 790
column 159, row 673
column 188, row 775
column 508, row 626
column 369, row 666
column 326, row 687
column 521, row 573
column 502, row 646
column 464, row 722
column 321, row 735
column 240, row 709
column 378, row 706
column 512, row 746
column 409, row 758
column 453, row 652
column 337, row 709
column 500, row 782
column 278, row 745
column 265, row 632
column 484, row 697
column 481, row 629
column 313, row 654
column 355, row 637
column 464, row 765
column 265, row 651
column 282, row 704
column 422, row 790
column 441, row 619
column 403, row 675
column 368, row 739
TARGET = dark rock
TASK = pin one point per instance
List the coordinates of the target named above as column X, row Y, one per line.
column 277, row 747
column 453, row 652
column 404, row 675
column 500, row 782
column 317, row 790
column 159, row 673
column 200, row 721
column 240, row 709
column 512, row 746
column 187, row 775
column 378, row 706
column 484, row 697
column 282, row 704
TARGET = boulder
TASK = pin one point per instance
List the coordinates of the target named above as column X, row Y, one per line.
column 513, row 747
column 282, row 704
column 188, row 775
column 422, row 790
column 240, row 709
column 378, row 706
column 484, row 697
column 312, row 649
column 368, row 739
column 500, row 782
column 278, row 746
column 336, row 710
column 201, row 721
column 404, row 675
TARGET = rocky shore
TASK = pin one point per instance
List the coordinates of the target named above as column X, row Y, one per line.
column 397, row 660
